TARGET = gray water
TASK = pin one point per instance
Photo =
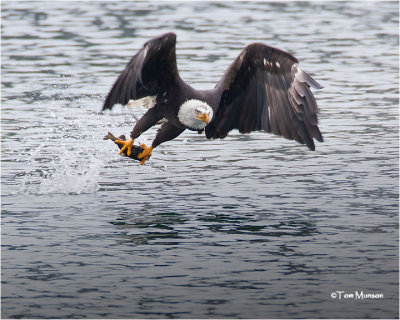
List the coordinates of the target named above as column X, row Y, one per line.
column 252, row 226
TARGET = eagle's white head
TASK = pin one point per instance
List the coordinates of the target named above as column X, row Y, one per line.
column 195, row 114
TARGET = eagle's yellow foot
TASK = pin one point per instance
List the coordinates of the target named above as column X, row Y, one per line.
column 145, row 154
column 126, row 145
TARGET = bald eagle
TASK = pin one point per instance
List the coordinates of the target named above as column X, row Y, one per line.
column 263, row 89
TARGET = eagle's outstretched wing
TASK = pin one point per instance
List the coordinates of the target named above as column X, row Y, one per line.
column 148, row 73
column 264, row 89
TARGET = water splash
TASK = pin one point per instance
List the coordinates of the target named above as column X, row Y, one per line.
column 66, row 175
column 66, row 155
column 71, row 179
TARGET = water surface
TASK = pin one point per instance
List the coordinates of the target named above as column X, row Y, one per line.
column 252, row 226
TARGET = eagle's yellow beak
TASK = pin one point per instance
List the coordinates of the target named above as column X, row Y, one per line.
column 204, row 117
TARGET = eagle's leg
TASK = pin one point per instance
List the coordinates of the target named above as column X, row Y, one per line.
column 126, row 145
column 167, row 132
column 148, row 120
column 145, row 154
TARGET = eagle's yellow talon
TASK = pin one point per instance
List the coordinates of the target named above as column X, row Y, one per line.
column 145, row 154
column 126, row 145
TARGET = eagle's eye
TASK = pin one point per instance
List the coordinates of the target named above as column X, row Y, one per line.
column 197, row 111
